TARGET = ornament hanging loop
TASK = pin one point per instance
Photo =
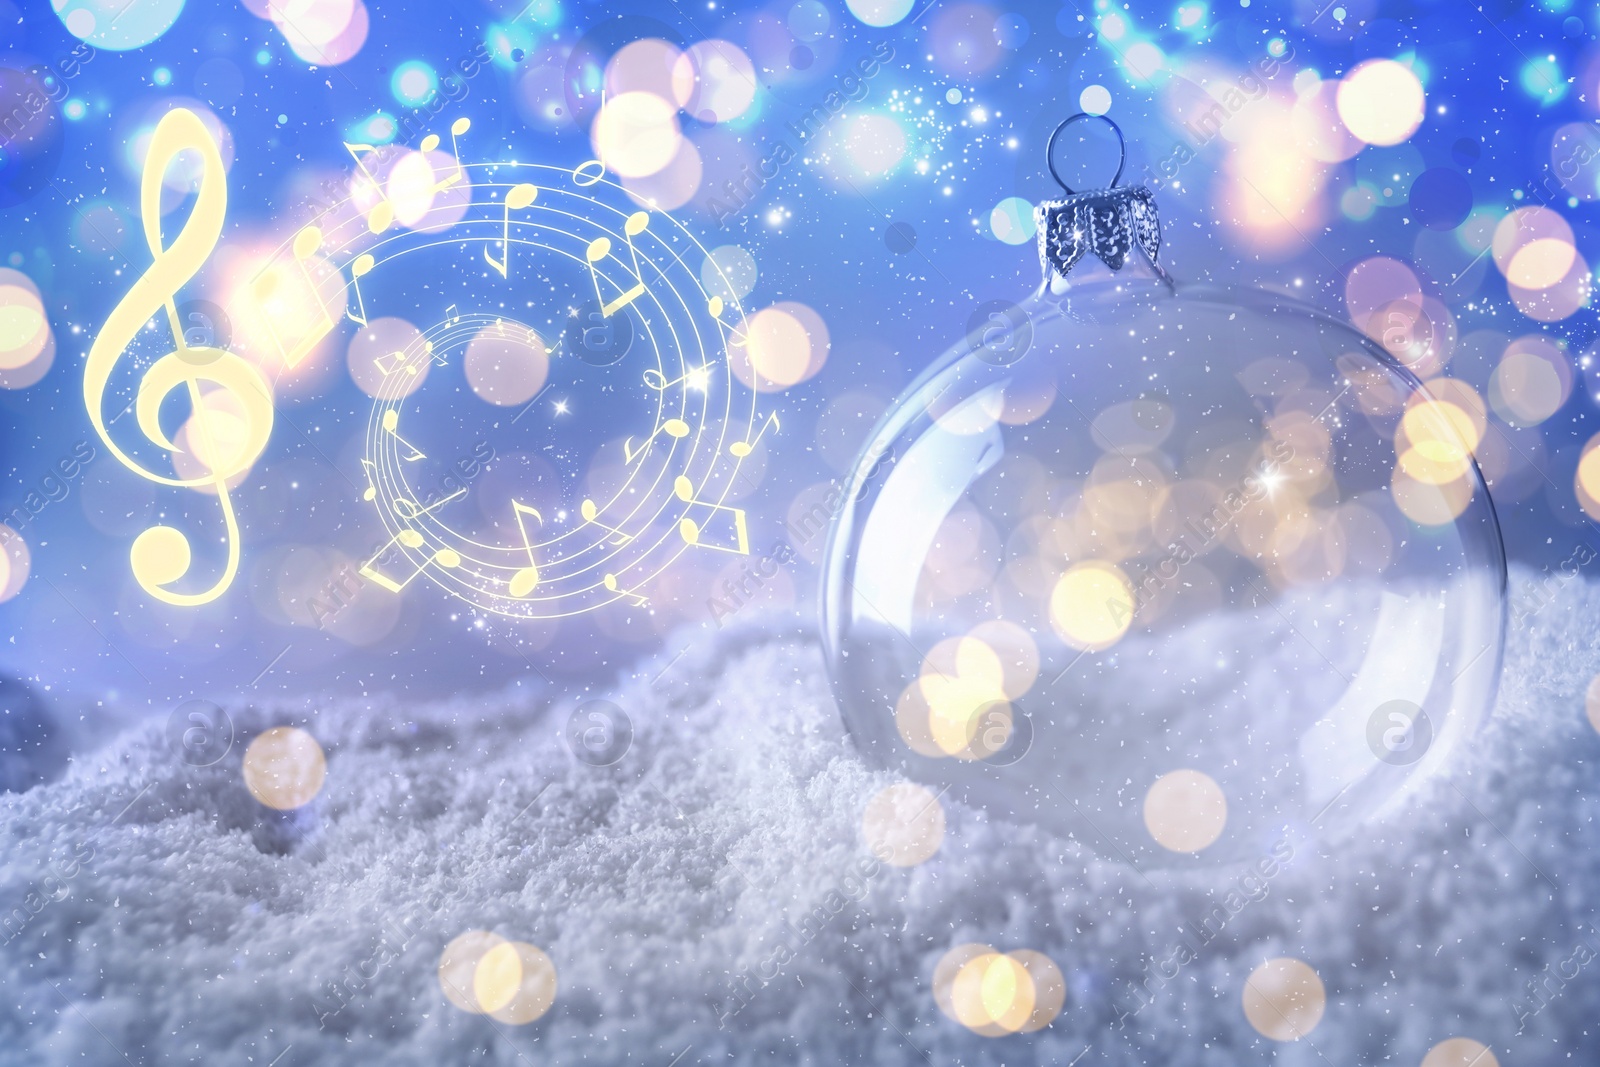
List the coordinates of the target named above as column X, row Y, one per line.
column 1050, row 149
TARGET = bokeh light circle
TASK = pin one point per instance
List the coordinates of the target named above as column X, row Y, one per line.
column 1284, row 999
column 117, row 25
column 284, row 767
column 1381, row 101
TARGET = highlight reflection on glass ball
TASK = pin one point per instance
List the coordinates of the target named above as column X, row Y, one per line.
column 1189, row 540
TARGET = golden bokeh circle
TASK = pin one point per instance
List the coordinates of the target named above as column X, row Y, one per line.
column 284, row 767
column 1460, row 1052
column 1185, row 810
column 1092, row 605
column 1284, row 999
column 458, row 967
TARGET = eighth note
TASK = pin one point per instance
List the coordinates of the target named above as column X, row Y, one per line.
column 674, row 428
column 741, row 449
column 408, row 538
column 518, row 198
column 590, row 513
column 611, row 584
column 307, row 243
column 600, row 248
column 689, row 530
column 430, row 142
column 391, row 426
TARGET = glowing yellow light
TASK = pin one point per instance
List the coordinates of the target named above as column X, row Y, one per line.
column 1381, row 102
column 1460, row 1052
column 23, row 327
column 1092, row 606
column 1586, row 481
column 960, row 680
column 284, row 767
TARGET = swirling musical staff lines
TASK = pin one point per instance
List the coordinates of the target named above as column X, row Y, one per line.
column 536, row 221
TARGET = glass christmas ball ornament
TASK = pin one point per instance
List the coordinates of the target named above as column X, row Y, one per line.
column 1173, row 569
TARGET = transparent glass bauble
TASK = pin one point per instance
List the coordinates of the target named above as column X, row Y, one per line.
column 1176, row 570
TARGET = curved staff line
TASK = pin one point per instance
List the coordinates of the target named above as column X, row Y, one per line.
column 667, row 314
column 394, row 476
column 672, row 256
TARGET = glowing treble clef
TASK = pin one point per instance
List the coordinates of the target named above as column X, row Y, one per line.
column 161, row 555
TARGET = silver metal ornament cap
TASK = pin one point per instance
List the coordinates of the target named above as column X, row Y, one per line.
column 1106, row 223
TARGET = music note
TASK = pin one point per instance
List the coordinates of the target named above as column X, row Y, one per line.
column 579, row 171
column 451, row 315
column 358, row 270
column 371, row 492
column 391, row 426
column 430, row 142
column 695, row 377
column 161, row 555
column 600, row 248
column 611, row 584
column 741, row 449
column 518, row 198
column 525, row 580
column 690, row 530
column 381, row 217
column 407, row 538
column 737, row 339
column 307, row 243
column 674, row 428
column 397, row 360
column 590, row 514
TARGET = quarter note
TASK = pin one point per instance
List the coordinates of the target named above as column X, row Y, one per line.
column 381, row 217
column 600, row 248
column 674, row 428
column 358, row 270
column 407, row 538
column 590, row 513
column 307, row 243
column 741, row 449
column 527, row 579
column 689, row 530
column 517, row 199
column 611, row 584
column 391, row 426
